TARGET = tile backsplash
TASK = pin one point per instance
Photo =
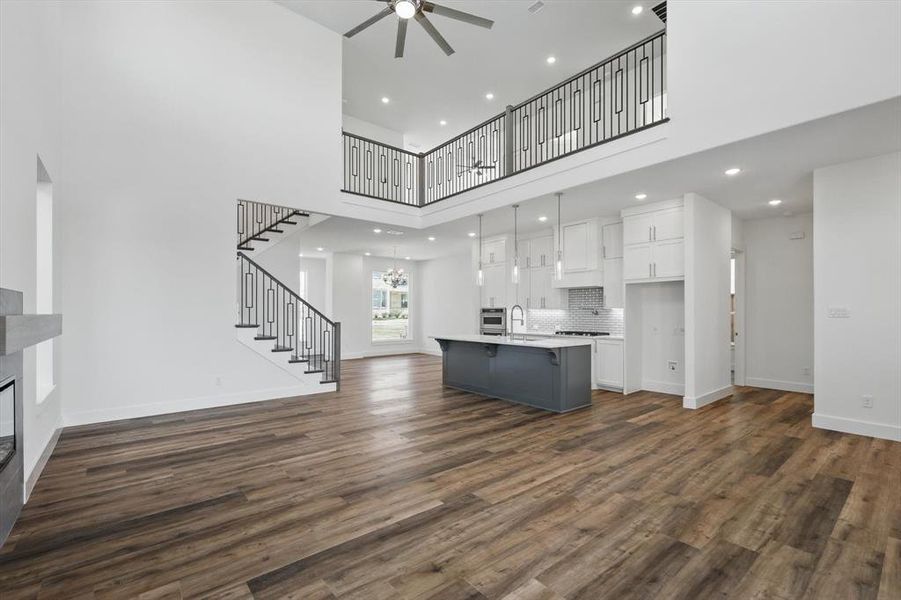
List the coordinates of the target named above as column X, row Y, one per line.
column 579, row 315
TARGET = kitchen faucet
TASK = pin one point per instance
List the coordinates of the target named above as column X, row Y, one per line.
column 521, row 319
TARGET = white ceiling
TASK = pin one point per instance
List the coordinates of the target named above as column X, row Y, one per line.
column 776, row 165
column 509, row 60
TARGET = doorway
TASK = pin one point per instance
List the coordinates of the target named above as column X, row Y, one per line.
column 737, row 314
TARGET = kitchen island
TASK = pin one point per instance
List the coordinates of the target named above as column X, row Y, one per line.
column 549, row 373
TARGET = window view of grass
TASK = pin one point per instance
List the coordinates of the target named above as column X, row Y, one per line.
column 390, row 310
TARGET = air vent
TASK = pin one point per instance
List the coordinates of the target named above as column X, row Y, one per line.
column 660, row 11
column 393, row 232
column 534, row 8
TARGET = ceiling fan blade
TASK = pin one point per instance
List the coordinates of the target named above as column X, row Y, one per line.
column 370, row 21
column 433, row 33
column 401, row 38
column 459, row 15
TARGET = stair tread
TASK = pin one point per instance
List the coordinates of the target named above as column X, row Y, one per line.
column 329, row 381
column 275, row 230
column 265, row 337
column 282, row 349
column 259, row 239
column 315, row 371
column 245, row 248
column 247, row 326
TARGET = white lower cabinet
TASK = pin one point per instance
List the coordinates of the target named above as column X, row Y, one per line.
column 608, row 363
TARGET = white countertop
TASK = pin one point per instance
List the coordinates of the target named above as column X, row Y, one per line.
column 555, row 341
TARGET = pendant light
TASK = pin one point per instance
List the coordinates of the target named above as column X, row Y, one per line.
column 395, row 277
column 558, row 264
column 515, row 245
column 480, row 276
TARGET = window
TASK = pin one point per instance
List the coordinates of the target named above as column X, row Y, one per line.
column 44, row 276
column 390, row 311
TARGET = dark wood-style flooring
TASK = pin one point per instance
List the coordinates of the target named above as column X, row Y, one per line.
column 395, row 488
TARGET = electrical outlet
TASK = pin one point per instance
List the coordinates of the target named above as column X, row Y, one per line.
column 219, row 382
column 672, row 365
column 805, row 371
column 867, row 401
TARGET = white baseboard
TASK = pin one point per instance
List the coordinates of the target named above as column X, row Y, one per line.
column 663, row 387
column 708, row 398
column 868, row 428
column 185, row 404
column 775, row 384
column 42, row 462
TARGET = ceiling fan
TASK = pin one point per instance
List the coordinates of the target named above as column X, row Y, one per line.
column 410, row 9
column 477, row 167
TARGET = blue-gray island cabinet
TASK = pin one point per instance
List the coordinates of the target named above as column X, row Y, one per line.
column 548, row 373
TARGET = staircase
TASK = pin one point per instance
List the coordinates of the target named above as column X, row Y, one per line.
column 298, row 337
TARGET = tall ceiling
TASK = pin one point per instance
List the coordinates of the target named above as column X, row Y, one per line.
column 510, row 60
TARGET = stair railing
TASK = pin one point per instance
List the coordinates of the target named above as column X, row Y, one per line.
column 255, row 218
column 292, row 323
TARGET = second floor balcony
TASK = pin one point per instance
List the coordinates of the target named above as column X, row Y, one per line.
column 616, row 97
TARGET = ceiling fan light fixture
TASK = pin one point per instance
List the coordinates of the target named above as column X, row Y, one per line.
column 405, row 9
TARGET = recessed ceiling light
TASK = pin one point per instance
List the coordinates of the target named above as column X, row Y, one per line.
column 385, row 99
column 471, row 234
column 406, row 258
column 320, row 249
column 376, row 230
column 368, row 253
column 300, row 255
column 431, row 238
column 732, row 171
column 551, row 60
column 542, row 218
column 775, row 202
column 640, row 196
column 442, row 122
column 637, row 10
column 394, row 232
column 489, row 96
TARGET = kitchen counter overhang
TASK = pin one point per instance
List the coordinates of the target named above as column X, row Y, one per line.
column 550, row 373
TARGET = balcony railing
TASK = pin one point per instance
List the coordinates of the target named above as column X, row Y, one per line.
column 623, row 94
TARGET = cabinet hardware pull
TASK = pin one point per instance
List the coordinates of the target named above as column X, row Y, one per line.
column 649, row 271
column 655, row 269
column 649, row 234
column 655, row 233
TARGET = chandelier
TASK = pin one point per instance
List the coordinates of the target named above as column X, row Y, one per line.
column 395, row 277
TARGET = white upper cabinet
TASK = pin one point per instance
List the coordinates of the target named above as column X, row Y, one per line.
column 541, row 252
column 542, row 293
column 612, row 240
column 613, row 283
column 494, row 288
column 638, row 229
column 580, row 246
column 653, row 242
column 669, row 259
column 668, row 224
column 493, row 251
column 582, row 263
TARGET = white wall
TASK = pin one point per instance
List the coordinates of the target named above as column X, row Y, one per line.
column 30, row 107
column 284, row 262
column 373, row 131
column 352, row 304
column 857, row 266
column 779, row 303
column 449, row 298
column 654, row 320
column 172, row 111
column 708, row 248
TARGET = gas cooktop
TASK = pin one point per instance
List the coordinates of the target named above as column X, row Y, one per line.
column 583, row 333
